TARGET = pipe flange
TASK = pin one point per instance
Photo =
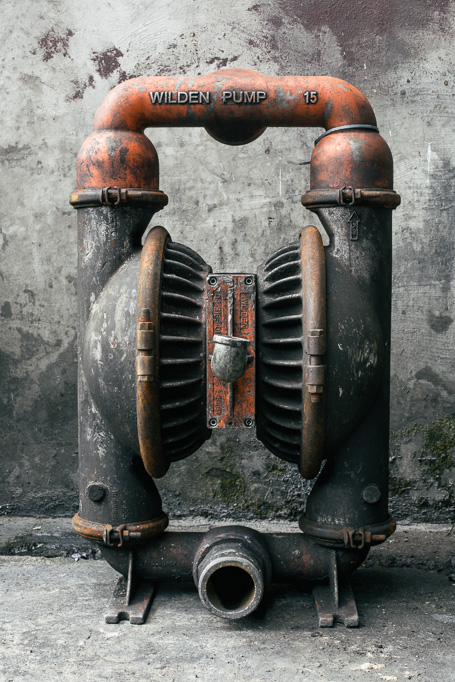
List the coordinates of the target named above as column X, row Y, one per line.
column 127, row 533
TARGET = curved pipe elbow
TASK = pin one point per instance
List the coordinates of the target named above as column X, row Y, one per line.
column 235, row 106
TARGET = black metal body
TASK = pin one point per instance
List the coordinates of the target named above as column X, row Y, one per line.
column 338, row 497
column 107, row 238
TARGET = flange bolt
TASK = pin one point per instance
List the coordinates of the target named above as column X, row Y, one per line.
column 371, row 494
column 95, row 492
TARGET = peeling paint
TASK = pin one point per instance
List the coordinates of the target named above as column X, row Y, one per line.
column 6, row 311
column 107, row 62
column 439, row 323
column 54, row 43
column 81, row 87
column 14, row 155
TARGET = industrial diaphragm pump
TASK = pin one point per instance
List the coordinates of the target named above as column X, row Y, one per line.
column 170, row 351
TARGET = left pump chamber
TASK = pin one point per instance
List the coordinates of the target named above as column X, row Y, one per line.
column 109, row 352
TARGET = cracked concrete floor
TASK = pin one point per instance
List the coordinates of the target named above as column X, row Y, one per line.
column 52, row 628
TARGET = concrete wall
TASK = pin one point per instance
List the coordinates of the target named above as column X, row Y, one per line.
column 234, row 206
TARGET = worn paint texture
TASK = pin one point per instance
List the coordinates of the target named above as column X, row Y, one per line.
column 234, row 206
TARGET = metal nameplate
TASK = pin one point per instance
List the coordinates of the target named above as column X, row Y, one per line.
column 231, row 312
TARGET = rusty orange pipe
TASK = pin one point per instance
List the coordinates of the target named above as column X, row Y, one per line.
column 129, row 106
column 235, row 106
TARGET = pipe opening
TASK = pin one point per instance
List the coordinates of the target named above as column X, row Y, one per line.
column 231, row 570
column 230, row 588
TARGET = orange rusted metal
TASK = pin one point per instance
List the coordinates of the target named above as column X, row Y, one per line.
column 349, row 196
column 126, row 533
column 118, row 158
column 148, row 358
column 314, row 345
column 352, row 158
column 235, row 106
column 231, row 312
column 352, row 537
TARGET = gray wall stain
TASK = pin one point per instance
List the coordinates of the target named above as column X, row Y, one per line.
column 439, row 323
column 235, row 206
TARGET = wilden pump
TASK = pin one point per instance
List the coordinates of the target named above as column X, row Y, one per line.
column 170, row 351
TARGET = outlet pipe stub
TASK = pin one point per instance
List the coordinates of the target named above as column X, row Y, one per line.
column 232, row 569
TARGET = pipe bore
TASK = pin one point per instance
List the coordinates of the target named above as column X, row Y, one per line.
column 231, row 588
column 231, row 573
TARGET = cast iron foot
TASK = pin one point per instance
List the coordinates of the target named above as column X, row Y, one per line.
column 136, row 610
column 132, row 599
column 335, row 602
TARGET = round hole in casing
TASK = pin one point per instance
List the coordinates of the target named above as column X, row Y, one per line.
column 230, row 588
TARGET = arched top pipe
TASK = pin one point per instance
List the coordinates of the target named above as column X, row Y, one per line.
column 235, row 106
column 232, row 95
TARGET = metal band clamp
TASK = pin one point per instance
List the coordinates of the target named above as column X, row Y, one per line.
column 339, row 129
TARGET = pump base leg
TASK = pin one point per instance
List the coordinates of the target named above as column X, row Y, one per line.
column 335, row 602
column 132, row 598
column 329, row 612
column 136, row 608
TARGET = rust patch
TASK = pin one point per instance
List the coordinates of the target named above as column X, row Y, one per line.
column 6, row 311
column 364, row 20
column 148, row 347
column 314, row 333
column 439, row 323
column 52, row 44
column 107, row 62
column 81, row 87
column 221, row 62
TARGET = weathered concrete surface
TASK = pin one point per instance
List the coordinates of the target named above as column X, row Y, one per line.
column 52, row 617
column 52, row 628
column 234, row 206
